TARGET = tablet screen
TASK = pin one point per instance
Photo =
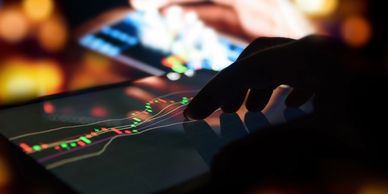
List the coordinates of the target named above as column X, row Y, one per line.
column 126, row 139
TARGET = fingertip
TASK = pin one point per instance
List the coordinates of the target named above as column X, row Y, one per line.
column 196, row 111
column 188, row 115
column 203, row 104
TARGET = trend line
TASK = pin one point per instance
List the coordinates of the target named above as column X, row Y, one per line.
column 151, row 119
column 70, row 160
column 98, row 122
column 157, row 122
column 77, row 158
column 155, row 116
column 95, row 143
column 67, row 127
column 71, row 140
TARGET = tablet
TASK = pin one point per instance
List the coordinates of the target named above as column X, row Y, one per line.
column 162, row 43
column 127, row 138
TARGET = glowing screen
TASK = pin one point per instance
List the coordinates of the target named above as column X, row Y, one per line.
column 155, row 43
column 127, row 138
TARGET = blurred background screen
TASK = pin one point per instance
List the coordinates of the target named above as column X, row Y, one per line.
column 42, row 52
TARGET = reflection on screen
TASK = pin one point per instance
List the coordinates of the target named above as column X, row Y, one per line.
column 125, row 139
column 175, row 42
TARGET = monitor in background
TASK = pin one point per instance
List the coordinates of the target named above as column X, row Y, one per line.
column 156, row 43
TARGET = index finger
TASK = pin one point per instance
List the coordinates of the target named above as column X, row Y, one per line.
column 214, row 94
column 228, row 83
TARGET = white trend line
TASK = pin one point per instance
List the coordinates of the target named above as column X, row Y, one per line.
column 85, row 125
column 153, row 123
column 178, row 92
column 53, row 144
column 95, row 154
column 155, row 116
column 67, row 127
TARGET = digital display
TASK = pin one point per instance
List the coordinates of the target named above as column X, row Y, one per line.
column 127, row 139
column 133, row 138
column 158, row 44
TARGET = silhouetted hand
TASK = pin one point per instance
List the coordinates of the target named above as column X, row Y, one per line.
column 247, row 154
column 311, row 65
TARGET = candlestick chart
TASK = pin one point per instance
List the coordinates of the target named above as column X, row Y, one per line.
column 129, row 136
column 157, row 113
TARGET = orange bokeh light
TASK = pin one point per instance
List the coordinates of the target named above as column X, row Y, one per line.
column 5, row 174
column 48, row 107
column 52, row 34
column 377, row 187
column 356, row 31
column 38, row 10
column 22, row 79
column 319, row 8
column 13, row 25
column 99, row 112
column 138, row 93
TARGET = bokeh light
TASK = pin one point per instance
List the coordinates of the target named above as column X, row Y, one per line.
column 52, row 34
column 48, row 108
column 38, row 10
column 13, row 25
column 5, row 175
column 356, row 31
column 173, row 76
column 50, row 76
column 96, row 62
column 138, row 94
column 22, row 79
column 374, row 188
column 317, row 7
column 92, row 70
column 99, row 112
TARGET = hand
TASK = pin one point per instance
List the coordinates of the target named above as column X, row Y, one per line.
column 250, row 152
column 310, row 65
column 249, row 18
